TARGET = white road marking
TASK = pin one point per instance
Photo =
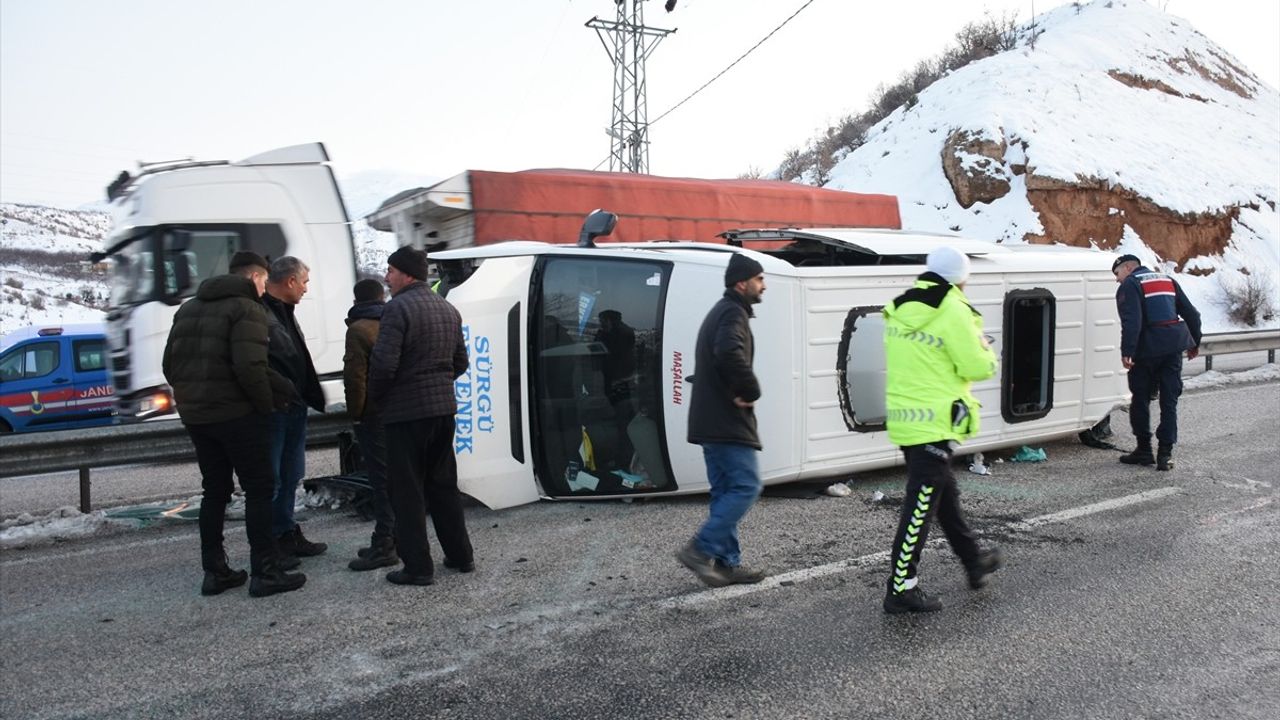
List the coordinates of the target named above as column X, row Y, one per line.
column 1248, row 484
column 795, row 576
column 1094, row 508
column 1214, row 519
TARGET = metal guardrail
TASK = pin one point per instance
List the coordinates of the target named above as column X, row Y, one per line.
column 1228, row 343
column 152, row 442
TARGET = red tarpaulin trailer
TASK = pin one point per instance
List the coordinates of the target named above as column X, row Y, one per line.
column 480, row 207
column 550, row 205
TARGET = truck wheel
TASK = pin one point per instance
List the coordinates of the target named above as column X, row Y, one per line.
column 4, row 428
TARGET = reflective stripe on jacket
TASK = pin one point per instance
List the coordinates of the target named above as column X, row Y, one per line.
column 934, row 351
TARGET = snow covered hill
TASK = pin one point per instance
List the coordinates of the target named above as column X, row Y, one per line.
column 45, row 276
column 1120, row 128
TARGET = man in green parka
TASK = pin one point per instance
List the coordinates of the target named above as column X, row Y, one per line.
column 934, row 351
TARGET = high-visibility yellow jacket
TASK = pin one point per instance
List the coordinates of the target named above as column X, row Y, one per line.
column 934, row 351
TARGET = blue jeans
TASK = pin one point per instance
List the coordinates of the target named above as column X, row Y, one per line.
column 734, row 474
column 288, row 432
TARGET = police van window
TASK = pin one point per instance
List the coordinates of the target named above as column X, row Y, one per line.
column 11, row 366
column 1026, row 382
column 90, row 355
column 30, row 361
column 596, row 374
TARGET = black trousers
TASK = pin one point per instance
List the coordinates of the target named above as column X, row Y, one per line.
column 1147, row 374
column 241, row 446
column 373, row 448
column 422, row 475
column 931, row 489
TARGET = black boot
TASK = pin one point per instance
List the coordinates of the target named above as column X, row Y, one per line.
column 381, row 554
column 988, row 562
column 270, row 579
column 295, row 543
column 219, row 577
column 374, row 541
column 1164, row 458
column 914, row 600
column 286, row 560
column 1140, row 456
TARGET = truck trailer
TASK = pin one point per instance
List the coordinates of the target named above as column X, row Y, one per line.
column 480, row 208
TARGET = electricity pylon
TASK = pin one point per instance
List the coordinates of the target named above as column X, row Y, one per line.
column 629, row 43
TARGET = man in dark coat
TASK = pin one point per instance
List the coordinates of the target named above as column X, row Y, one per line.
column 722, row 420
column 286, row 285
column 363, row 320
column 419, row 353
column 1157, row 324
column 216, row 361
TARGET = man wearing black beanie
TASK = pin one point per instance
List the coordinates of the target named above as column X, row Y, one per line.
column 418, row 354
column 722, row 420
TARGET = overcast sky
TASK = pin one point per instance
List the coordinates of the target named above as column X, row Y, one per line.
column 432, row 88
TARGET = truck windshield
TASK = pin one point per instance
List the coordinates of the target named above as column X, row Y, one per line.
column 204, row 250
column 133, row 270
column 596, row 365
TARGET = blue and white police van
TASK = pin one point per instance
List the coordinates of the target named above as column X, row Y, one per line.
column 55, row 378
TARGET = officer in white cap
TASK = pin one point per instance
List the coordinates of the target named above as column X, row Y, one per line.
column 934, row 352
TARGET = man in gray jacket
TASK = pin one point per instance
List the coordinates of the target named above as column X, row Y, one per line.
column 418, row 354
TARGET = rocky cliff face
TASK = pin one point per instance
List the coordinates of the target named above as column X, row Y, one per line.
column 1091, row 212
column 1112, row 125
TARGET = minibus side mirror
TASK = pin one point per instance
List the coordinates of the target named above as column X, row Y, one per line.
column 599, row 223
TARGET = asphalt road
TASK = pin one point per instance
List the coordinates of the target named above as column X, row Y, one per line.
column 1128, row 593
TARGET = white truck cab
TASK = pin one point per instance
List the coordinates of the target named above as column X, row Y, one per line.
column 176, row 224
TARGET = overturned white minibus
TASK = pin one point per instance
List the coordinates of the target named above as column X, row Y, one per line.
column 581, row 357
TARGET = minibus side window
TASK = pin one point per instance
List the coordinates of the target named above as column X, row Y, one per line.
column 1026, row 383
column 860, row 369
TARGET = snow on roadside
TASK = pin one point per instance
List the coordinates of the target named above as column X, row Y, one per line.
column 68, row 523
column 65, row 523
column 1213, row 378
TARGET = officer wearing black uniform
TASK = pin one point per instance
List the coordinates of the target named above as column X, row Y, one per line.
column 1157, row 324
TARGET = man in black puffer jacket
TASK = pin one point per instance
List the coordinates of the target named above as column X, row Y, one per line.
column 419, row 353
column 722, row 420
column 216, row 361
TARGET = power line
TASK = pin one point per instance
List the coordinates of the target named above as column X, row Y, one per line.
column 735, row 62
